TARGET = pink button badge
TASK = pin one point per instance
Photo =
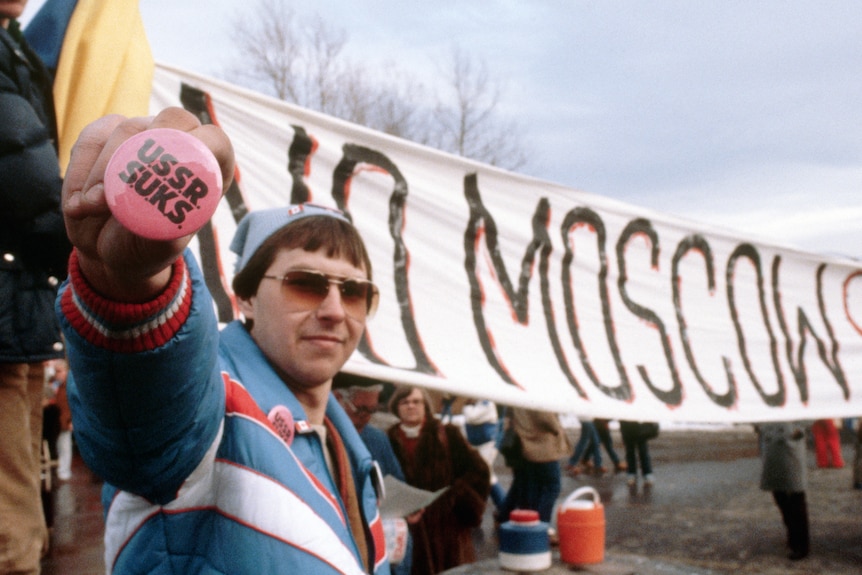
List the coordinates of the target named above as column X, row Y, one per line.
column 282, row 420
column 163, row 184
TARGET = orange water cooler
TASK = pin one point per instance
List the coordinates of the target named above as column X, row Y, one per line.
column 581, row 528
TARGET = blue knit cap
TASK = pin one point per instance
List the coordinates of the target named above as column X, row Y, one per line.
column 258, row 225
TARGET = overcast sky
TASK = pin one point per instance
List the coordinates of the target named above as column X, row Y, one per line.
column 734, row 112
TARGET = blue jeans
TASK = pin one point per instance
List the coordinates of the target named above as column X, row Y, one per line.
column 604, row 433
column 589, row 442
column 636, row 448
column 534, row 486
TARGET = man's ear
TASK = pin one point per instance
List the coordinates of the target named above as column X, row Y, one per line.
column 246, row 307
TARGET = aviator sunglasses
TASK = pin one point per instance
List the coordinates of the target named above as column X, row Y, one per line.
column 309, row 288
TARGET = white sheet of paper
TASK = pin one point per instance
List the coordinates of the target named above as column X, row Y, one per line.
column 402, row 500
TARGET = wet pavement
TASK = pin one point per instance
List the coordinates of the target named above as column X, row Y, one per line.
column 77, row 546
column 705, row 514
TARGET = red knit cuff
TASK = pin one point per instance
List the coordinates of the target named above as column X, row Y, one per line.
column 127, row 327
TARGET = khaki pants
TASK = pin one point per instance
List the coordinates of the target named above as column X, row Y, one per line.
column 23, row 534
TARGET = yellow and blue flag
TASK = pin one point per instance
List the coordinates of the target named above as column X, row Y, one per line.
column 101, row 58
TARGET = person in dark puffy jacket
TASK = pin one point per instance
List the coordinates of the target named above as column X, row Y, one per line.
column 33, row 255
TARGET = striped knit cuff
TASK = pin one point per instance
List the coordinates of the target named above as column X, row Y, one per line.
column 127, row 327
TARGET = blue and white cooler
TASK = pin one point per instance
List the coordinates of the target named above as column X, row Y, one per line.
column 524, row 544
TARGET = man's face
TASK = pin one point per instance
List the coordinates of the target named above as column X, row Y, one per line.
column 306, row 344
column 363, row 405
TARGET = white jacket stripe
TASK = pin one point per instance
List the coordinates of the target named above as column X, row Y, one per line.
column 240, row 494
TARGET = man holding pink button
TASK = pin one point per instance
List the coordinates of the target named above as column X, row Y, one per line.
column 223, row 450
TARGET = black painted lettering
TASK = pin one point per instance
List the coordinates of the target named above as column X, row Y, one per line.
column 699, row 244
column 748, row 251
column 162, row 197
column 804, row 329
column 587, row 217
column 131, row 173
column 142, row 188
column 197, row 189
column 672, row 396
column 298, row 159
column 164, row 165
column 354, row 155
column 178, row 215
column 146, row 153
column 179, row 179
column 482, row 226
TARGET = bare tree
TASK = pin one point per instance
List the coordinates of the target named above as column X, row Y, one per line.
column 365, row 96
column 304, row 62
column 324, row 67
column 466, row 118
column 293, row 60
column 269, row 51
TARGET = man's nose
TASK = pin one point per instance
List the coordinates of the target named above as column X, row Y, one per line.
column 331, row 306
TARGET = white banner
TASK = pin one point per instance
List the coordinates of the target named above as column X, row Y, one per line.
column 505, row 287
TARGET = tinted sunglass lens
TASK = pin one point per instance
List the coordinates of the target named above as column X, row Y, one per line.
column 309, row 282
column 354, row 290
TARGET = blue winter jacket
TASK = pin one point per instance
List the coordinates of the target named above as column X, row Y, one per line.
column 175, row 415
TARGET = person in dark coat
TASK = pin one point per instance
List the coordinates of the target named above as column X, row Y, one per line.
column 785, row 474
column 33, row 255
column 636, row 444
column 433, row 456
